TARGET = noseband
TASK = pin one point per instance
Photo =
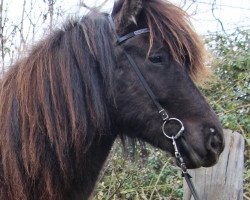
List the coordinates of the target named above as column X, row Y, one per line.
column 163, row 113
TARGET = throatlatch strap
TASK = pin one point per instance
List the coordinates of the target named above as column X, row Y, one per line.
column 112, row 24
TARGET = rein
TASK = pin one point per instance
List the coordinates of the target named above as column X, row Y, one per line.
column 164, row 115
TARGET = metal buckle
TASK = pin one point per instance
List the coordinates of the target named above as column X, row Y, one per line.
column 178, row 134
column 164, row 114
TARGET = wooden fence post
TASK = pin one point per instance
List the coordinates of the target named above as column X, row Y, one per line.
column 224, row 181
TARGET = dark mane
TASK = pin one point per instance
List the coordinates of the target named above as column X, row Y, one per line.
column 174, row 27
column 58, row 94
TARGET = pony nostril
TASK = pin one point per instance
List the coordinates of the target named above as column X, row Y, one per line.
column 214, row 142
column 213, row 145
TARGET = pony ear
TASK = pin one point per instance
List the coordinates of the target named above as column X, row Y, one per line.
column 125, row 13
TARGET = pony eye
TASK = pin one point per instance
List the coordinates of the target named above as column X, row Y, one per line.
column 155, row 59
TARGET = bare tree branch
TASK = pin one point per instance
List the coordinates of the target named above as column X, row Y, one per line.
column 1, row 35
column 95, row 8
column 216, row 18
column 22, row 40
column 51, row 13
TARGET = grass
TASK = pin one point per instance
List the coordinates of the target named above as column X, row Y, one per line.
column 154, row 177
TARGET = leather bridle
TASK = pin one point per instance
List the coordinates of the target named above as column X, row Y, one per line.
column 164, row 115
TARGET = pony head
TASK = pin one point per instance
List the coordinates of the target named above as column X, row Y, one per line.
column 170, row 57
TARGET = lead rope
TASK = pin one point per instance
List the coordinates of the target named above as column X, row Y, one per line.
column 179, row 158
column 161, row 110
column 184, row 170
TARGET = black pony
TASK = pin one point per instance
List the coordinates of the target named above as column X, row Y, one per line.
column 62, row 106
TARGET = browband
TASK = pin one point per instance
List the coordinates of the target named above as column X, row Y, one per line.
column 127, row 36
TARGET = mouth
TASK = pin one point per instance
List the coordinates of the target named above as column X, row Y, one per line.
column 192, row 159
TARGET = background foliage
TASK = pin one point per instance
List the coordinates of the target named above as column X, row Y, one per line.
column 152, row 175
column 230, row 93
column 149, row 174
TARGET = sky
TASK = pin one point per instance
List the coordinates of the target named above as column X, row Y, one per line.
column 232, row 13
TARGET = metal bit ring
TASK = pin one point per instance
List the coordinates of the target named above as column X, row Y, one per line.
column 178, row 134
